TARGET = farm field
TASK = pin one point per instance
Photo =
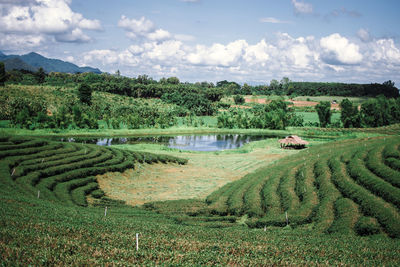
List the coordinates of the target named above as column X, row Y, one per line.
column 316, row 187
column 199, row 133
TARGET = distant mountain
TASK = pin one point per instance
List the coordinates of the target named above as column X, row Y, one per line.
column 15, row 63
column 33, row 61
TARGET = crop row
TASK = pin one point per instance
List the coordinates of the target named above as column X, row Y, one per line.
column 343, row 187
column 64, row 172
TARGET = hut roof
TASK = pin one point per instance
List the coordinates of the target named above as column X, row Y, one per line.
column 293, row 140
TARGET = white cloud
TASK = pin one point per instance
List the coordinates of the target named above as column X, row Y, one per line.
column 136, row 27
column 258, row 53
column 385, row 50
column 302, row 7
column 184, row 37
column 75, row 36
column 23, row 42
column 45, row 19
column 364, row 35
column 105, row 56
column 142, row 28
column 338, row 50
column 330, row 58
column 273, row 20
column 218, row 54
column 159, row 35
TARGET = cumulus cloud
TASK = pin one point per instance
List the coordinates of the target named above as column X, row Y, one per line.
column 385, row 50
column 302, row 7
column 142, row 29
column 330, row 58
column 46, row 20
column 338, row 50
column 218, row 54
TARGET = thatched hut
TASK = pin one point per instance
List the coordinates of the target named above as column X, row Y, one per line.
column 293, row 141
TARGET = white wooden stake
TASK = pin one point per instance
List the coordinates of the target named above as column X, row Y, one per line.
column 13, row 172
column 42, row 160
column 137, row 242
column 105, row 212
column 287, row 221
column 38, row 194
column 265, row 228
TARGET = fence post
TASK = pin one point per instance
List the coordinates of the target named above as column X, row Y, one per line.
column 137, row 241
column 38, row 194
column 287, row 220
column 105, row 212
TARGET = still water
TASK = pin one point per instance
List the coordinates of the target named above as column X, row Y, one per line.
column 211, row 142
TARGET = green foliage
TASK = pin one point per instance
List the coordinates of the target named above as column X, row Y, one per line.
column 380, row 111
column 327, row 188
column 275, row 115
column 343, row 89
column 40, row 75
column 238, row 99
column 324, row 113
column 2, row 74
column 349, row 116
column 367, row 226
column 85, row 93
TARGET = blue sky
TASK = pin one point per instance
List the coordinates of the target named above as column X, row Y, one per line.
column 250, row 41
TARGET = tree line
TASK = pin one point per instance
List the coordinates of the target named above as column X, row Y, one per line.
column 375, row 112
column 145, row 86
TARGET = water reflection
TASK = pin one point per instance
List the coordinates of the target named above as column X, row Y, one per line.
column 212, row 142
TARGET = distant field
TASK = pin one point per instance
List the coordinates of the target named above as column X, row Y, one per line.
column 338, row 99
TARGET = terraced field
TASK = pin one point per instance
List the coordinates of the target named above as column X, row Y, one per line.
column 350, row 186
column 344, row 187
column 65, row 172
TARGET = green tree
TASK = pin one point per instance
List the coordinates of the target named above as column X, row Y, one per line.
column 2, row 74
column 349, row 116
column 324, row 113
column 238, row 99
column 85, row 93
column 40, row 75
column 246, row 89
column 173, row 80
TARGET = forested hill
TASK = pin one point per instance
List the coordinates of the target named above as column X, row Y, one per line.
column 33, row 61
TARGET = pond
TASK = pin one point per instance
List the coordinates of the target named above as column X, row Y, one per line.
column 210, row 142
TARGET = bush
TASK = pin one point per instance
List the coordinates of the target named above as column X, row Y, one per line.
column 239, row 99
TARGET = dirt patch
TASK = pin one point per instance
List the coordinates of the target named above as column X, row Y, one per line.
column 255, row 100
column 297, row 103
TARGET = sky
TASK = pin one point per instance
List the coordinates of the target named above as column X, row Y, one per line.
column 247, row 41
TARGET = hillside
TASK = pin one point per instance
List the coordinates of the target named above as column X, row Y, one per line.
column 46, row 182
column 33, row 61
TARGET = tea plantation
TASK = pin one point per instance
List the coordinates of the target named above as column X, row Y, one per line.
column 341, row 199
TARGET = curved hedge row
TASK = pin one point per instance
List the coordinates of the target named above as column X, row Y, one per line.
column 64, row 172
column 339, row 187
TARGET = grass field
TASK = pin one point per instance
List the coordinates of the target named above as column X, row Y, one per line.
column 338, row 99
column 312, row 117
column 204, row 172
